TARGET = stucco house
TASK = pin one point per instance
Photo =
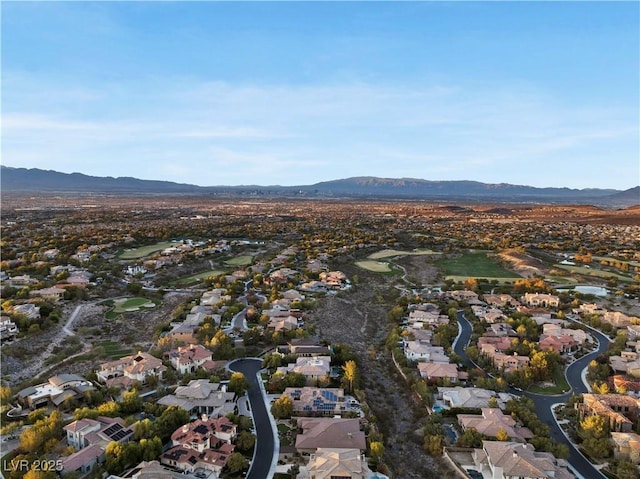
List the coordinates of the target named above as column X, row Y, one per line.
column 125, row 371
column 188, row 359
column 541, row 300
column 513, row 460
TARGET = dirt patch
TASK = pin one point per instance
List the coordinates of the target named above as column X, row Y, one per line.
column 522, row 263
column 420, row 269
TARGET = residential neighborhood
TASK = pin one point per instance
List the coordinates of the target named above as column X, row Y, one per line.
column 359, row 373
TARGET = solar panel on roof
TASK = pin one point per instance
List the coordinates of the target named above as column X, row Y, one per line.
column 120, row 435
column 201, row 429
column 113, row 429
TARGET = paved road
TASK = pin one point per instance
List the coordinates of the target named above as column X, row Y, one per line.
column 264, row 454
column 544, row 403
column 462, row 340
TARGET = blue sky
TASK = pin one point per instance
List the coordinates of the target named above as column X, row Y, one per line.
column 230, row 93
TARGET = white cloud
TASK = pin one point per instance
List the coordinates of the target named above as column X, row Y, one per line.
column 222, row 133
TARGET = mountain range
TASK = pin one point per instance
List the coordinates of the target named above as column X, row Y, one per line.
column 34, row 180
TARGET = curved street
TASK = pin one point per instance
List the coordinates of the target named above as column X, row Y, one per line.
column 264, row 456
column 545, row 403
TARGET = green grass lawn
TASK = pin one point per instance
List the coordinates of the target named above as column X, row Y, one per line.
column 244, row 260
column 474, row 264
column 143, row 251
column 128, row 305
column 196, row 278
column 132, row 303
column 115, row 350
column 560, row 385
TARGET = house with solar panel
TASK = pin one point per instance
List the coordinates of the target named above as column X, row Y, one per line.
column 310, row 401
column 201, row 444
column 90, row 437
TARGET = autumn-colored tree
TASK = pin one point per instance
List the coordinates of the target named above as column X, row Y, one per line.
column 594, row 430
column 131, row 402
column 471, row 284
column 350, row 369
column 109, row 409
column 502, row 435
column 40, row 474
column 433, row 445
column 238, row 383
column 377, row 451
column 282, row 407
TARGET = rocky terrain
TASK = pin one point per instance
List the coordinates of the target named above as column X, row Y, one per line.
column 359, row 319
column 31, row 356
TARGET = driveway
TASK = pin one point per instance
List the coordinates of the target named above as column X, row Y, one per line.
column 264, row 458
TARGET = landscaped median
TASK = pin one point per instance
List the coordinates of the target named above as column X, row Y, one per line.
column 557, row 385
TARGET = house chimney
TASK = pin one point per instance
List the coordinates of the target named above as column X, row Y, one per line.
column 204, row 418
column 185, row 428
column 349, row 435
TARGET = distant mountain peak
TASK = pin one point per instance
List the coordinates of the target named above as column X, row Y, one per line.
column 34, row 179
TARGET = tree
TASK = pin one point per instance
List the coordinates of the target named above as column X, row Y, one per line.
column 294, row 380
column 245, row 441
column 5, row 394
column 594, row 430
column 131, row 402
column 282, row 407
column 238, row 384
column 627, row 470
column 236, row 463
column 594, row 426
column 272, row 361
column 143, row 429
column 350, row 369
column 377, row 451
column 134, row 287
column 171, row 419
column 493, row 402
column 539, row 365
column 114, row 453
column 471, row 284
column 433, row 445
column 150, row 449
column 109, row 409
column 396, row 313
column 470, row 438
column 40, row 474
column 502, row 435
